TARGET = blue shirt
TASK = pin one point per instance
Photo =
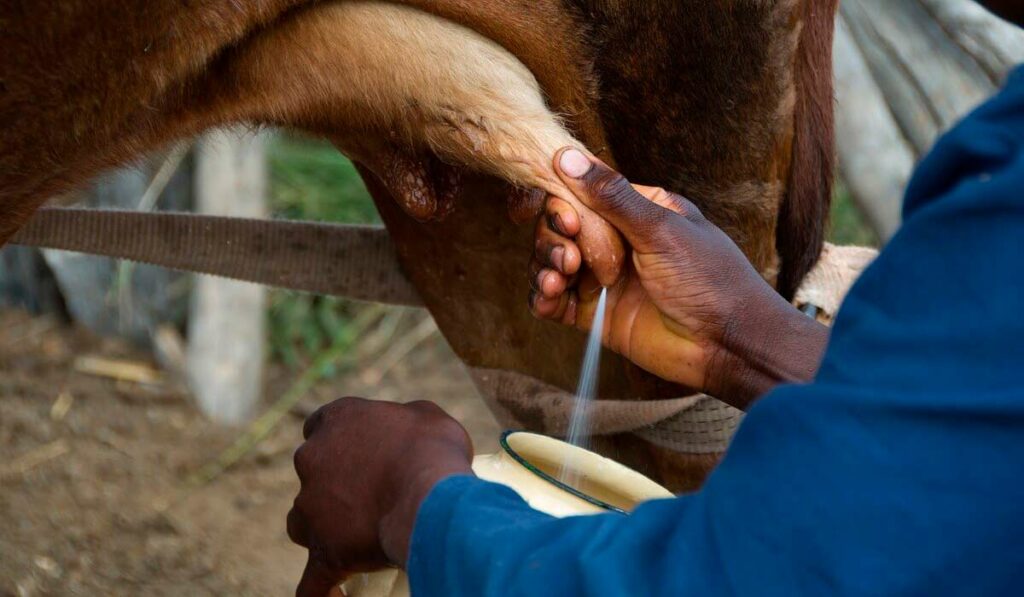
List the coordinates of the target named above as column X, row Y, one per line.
column 899, row 470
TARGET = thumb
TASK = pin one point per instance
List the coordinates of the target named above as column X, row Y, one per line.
column 641, row 220
column 317, row 579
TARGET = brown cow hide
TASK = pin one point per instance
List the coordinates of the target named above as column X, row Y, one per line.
column 725, row 101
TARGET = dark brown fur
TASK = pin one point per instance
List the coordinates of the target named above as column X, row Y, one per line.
column 712, row 114
column 805, row 210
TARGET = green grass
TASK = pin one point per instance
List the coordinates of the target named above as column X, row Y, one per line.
column 848, row 226
column 310, row 180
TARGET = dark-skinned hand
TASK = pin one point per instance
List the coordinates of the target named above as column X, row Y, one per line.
column 364, row 469
column 689, row 306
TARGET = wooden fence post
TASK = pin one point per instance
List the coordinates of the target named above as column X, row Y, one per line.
column 226, row 334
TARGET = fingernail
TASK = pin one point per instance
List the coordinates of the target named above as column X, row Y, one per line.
column 557, row 258
column 555, row 224
column 574, row 163
column 560, row 223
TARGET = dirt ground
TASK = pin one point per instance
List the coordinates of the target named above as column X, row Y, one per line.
column 94, row 491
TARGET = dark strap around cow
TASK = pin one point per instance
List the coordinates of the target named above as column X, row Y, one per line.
column 357, row 262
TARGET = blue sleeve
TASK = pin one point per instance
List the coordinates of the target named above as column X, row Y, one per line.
column 478, row 538
column 899, row 470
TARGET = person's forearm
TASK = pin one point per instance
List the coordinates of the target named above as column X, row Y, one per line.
column 477, row 538
column 767, row 345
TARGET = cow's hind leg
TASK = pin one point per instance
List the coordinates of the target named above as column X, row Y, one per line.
column 382, row 79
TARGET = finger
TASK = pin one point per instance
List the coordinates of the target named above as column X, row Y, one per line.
column 610, row 195
column 556, row 251
column 547, row 281
column 599, row 242
column 317, row 579
column 562, row 218
column 313, row 422
column 296, row 527
column 533, row 270
column 300, row 461
column 551, row 284
column 561, row 309
column 543, row 308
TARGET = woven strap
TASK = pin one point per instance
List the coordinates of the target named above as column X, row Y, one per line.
column 357, row 262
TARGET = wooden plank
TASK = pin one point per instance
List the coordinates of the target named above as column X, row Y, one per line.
column 996, row 45
column 874, row 157
column 226, row 333
column 928, row 80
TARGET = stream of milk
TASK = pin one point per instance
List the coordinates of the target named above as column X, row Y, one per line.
column 586, row 391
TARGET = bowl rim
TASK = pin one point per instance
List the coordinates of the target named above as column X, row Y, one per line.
column 536, row 471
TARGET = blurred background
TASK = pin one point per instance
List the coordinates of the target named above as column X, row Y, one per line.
column 148, row 418
column 121, row 471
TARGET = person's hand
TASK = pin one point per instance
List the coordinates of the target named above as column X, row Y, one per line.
column 364, row 469
column 689, row 307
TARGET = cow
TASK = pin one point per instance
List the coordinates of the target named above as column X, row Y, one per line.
column 453, row 110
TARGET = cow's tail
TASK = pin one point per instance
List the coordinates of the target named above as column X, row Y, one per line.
column 803, row 219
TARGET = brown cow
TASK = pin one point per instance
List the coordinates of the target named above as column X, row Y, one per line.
column 726, row 101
